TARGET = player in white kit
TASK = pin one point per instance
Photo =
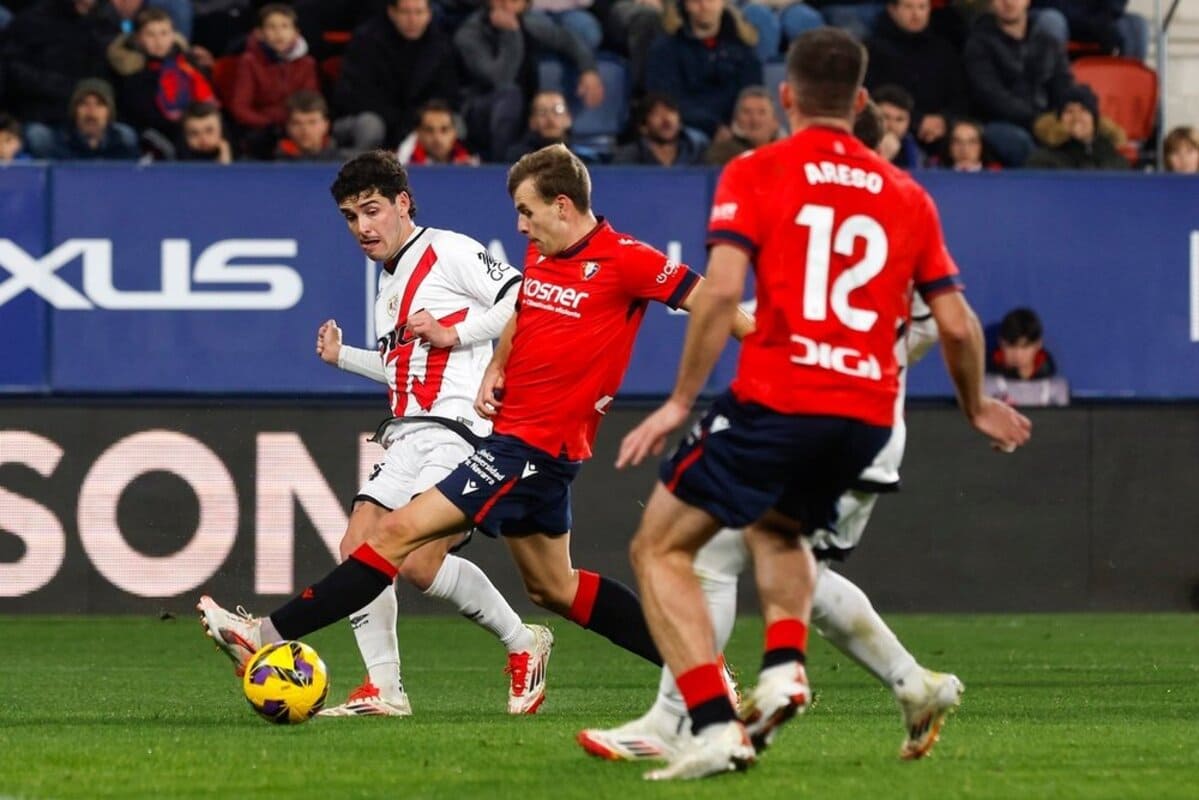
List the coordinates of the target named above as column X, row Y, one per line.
column 442, row 299
column 840, row 610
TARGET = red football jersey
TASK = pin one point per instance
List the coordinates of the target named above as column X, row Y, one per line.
column 576, row 320
column 837, row 237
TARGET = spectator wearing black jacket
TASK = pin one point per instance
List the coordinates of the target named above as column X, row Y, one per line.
column 499, row 46
column 394, row 64
column 906, row 52
column 50, row 47
column 703, row 62
column 1078, row 138
column 1016, row 73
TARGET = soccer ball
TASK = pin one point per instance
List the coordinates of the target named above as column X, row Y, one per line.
column 286, row 682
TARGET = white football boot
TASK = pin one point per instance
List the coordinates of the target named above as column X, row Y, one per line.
column 925, row 703
column 527, row 672
column 658, row 734
column 781, row 693
column 713, row 751
column 368, row 701
column 238, row 635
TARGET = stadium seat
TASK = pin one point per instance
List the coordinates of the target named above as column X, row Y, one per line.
column 1127, row 92
column 774, row 73
column 224, row 74
column 609, row 117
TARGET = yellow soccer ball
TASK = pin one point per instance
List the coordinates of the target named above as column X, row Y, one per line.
column 286, row 682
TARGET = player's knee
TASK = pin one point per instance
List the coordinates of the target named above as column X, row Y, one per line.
column 420, row 568
column 552, row 595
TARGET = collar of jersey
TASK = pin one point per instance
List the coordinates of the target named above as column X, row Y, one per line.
column 578, row 246
column 391, row 264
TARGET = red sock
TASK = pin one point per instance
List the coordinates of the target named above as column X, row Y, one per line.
column 584, row 602
column 706, row 696
column 786, row 641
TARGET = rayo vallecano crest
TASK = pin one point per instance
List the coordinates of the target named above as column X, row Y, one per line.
column 393, row 305
column 589, row 270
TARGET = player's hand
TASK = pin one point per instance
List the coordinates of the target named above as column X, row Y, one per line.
column 423, row 326
column 590, row 89
column 328, row 342
column 932, row 128
column 1006, row 427
column 649, row 438
column 491, row 390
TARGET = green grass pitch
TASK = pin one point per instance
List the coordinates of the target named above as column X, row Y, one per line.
column 1086, row 706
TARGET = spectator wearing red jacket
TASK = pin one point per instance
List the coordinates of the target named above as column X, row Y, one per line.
column 274, row 66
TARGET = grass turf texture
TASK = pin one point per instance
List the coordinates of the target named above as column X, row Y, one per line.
column 1056, row 706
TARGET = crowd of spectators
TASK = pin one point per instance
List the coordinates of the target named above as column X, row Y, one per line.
column 969, row 85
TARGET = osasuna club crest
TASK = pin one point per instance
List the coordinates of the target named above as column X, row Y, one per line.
column 589, row 270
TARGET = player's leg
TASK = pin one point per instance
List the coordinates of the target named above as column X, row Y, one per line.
column 359, row 579
column 663, row 553
column 845, row 616
column 437, row 572
column 592, row 601
column 374, row 627
column 785, row 573
column 665, row 726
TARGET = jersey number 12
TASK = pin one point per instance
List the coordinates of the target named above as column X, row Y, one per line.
column 826, row 238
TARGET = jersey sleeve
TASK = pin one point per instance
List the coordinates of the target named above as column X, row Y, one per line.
column 647, row 274
column 935, row 270
column 478, row 274
column 735, row 208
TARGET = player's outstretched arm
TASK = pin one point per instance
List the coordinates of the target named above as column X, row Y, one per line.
column 962, row 346
column 743, row 321
column 331, row 350
column 713, row 312
column 491, row 390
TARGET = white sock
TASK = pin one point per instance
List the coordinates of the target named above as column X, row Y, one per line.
column 717, row 565
column 844, row 616
column 374, row 627
column 462, row 583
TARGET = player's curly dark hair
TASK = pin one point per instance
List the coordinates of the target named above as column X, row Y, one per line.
column 375, row 171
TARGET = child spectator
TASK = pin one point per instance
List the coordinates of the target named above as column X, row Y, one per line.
column 1078, row 138
column 204, row 136
column 274, row 66
column 307, row 129
column 435, row 140
column 896, row 106
column 1181, row 150
column 12, row 148
column 965, row 150
column 155, row 95
column 1021, row 354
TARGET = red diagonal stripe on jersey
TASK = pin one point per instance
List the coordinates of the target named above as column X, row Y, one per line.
column 426, row 390
column 402, row 354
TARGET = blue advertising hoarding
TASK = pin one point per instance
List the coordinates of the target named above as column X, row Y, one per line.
column 191, row 279
column 24, row 280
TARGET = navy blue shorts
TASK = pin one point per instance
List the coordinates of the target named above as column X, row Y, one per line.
column 508, row 488
column 743, row 459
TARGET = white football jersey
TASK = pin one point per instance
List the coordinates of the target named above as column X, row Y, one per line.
column 914, row 341
column 453, row 277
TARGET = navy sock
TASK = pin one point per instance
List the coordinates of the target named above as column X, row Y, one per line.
column 353, row 584
column 613, row 610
